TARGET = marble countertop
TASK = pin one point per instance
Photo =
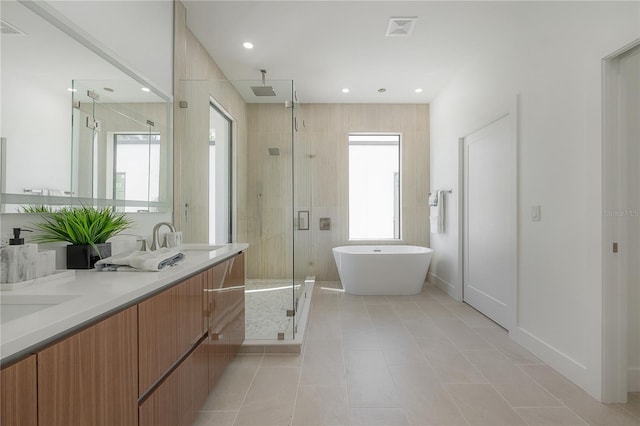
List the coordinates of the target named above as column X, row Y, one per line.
column 89, row 296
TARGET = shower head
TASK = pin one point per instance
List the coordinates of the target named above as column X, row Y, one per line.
column 263, row 90
column 274, row 151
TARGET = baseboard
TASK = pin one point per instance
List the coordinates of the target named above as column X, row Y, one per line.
column 442, row 285
column 633, row 379
column 570, row 368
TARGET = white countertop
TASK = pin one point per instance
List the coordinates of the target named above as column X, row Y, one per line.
column 97, row 294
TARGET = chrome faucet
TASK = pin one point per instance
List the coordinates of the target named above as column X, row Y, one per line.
column 155, row 244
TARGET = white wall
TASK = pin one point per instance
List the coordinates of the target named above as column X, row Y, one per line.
column 552, row 63
column 138, row 32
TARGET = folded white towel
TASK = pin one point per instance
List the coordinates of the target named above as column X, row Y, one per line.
column 140, row 260
column 436, row 214
column 433, row 219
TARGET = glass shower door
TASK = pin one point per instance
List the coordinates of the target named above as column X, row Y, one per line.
column 270, row 155
column 303, row 214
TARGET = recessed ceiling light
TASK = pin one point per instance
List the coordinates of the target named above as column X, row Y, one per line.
column 145, row 89
column 71, row 90
column 345, row 90
column 247, row 45
column 418, row 90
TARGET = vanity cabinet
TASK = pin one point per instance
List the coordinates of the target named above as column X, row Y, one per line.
column 90, row 378
column 18, row 393
column 209, row 311
column 151, row 364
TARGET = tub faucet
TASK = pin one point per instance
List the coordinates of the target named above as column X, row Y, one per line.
column 155, row 244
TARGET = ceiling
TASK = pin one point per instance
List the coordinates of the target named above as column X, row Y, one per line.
column 325, row 46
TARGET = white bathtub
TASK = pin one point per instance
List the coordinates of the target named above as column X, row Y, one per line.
column 382, row 270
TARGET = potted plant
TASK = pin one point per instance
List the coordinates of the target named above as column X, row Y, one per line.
column 87, row 229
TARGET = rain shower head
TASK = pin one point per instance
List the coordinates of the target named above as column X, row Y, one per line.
column 263, row 90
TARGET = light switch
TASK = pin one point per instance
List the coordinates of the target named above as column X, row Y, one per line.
column 535, row 213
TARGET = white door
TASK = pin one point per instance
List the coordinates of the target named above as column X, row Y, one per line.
column 621, row 224
column 489, row 247
column 629, row 213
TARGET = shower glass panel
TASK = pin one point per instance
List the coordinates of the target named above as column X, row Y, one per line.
column 267, row 160
column 275, row 280
column 303, row 214
column 270, row 139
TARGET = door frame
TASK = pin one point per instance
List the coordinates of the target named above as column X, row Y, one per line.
column 509, row 108
column 614, row 285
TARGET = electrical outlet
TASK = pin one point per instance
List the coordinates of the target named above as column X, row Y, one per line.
column 325, row 223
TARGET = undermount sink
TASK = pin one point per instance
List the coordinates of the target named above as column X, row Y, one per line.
column 199, row 247
column 19, row 305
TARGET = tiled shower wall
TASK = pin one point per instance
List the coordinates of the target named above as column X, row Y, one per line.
column 321, row 184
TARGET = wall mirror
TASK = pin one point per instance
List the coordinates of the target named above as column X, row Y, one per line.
column 77, row 127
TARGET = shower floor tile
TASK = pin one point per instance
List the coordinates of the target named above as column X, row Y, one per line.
column 266, row 305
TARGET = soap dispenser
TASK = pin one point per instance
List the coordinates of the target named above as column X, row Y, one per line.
column 16, row 240
column 18, row 261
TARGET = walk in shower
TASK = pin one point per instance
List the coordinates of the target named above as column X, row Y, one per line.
column 278, row 208
column 258, row 192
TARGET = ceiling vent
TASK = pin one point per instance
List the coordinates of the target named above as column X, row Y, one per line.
column 401, row 26
column 8, row 29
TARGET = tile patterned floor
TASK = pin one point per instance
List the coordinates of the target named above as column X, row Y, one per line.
column 406, row 360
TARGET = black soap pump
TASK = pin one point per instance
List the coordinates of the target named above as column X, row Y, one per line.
column 16, row 240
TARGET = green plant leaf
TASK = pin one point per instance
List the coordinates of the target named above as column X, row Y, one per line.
column 80, row 225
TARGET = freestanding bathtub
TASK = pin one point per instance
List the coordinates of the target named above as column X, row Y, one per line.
column 382, row 270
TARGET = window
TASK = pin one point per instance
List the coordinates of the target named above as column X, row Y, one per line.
column 374, row 186
column 136, row 167
column 219, row 176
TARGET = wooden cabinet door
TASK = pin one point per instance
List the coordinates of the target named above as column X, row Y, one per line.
column 158, row 339
column 190, row 315
column 90, row 378
column 218, row 349
column 170, row 323
column 236, row 313
column 18, row 394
